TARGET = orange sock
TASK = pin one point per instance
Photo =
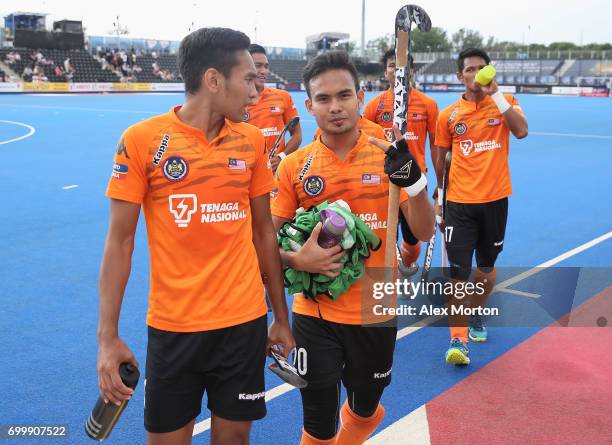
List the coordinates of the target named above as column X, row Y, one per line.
column 307, row 439
column 460, row 332
column 410, row 253
column 354, row 429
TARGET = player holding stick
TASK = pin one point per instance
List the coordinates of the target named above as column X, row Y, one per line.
column 343, row 163
column 477, row 129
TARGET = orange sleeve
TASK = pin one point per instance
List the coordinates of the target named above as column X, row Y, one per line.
column 432, row 117
column 285, row 204
column 128, row 180
column 369, row 111
column 443, row 137
column 290, row 110
column 262, row 180
column 515, row 103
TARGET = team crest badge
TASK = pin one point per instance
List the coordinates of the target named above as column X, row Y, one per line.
column 386, row 116
column 314, row 185
column 460, row 129
column 175, row 168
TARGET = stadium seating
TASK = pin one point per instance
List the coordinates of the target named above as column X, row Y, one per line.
column 87, row 69
column 164, row 61
column 288, row 70
column 590, row 68
column 508, row 71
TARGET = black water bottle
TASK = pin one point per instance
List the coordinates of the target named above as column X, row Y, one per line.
column 104, row 415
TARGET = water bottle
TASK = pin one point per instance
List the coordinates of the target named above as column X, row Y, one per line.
column 332, row 230
column 105, row 415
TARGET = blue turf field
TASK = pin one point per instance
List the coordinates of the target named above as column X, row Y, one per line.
column 52, row 240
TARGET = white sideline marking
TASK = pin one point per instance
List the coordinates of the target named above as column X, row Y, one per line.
column 68, row 187
column 103, row 110
column 518, row 292
column 402, row 430
column 412, row 429
column 413, row 424
column 31, row 131
column 571, row 135
column 556, row 260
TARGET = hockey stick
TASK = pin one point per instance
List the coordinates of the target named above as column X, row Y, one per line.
column 288, row 127
column 404, row 19
column 432, row 241
column 447, row 163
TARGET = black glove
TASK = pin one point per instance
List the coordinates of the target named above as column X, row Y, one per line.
column 403, row 169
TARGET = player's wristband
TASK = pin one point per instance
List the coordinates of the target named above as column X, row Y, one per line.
column 417, row 187
column 282, row 155
column 440, row 196
column 502, row 104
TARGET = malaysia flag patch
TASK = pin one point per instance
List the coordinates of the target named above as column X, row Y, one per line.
column 370, row 179
column 275, row 109
column 493, row 122
column 236, row 164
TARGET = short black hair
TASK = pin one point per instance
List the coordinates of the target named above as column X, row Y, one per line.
column 208, row 48
column 330, row 60
column 471, row 52
column 254, row 48
column 390, row 54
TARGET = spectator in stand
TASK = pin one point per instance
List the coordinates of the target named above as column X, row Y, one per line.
column 58, row 71
column 27, row 73
column 2, row 76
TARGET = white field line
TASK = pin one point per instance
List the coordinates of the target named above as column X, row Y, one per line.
column 414, row 423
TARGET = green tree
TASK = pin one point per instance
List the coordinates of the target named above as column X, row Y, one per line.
column 562, row 46
column 435, row 40
column 381, row 44
column 467, row 38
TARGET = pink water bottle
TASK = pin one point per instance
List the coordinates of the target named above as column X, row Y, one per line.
column 332, row 230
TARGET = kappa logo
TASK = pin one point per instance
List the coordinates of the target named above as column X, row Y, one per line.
column 466, row 146
column 182, row 207
column 306, row 167
column 161, row 150
column 252, row 397
column 460, row 129
column 382, row 375
column 404, row 172
column 122, row 150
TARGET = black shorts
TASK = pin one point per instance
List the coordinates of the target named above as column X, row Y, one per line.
column 227, row 363
column 329, row 352
column 475, row 227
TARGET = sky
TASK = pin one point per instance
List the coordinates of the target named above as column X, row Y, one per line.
column 287, row 23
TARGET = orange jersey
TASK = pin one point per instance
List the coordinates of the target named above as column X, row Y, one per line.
column 195, row 197
column 315, row 174
column 421, row 119
column 272, row 111
column 479, row 139
column 367, row 126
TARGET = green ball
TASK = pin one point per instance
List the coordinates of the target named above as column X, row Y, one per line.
column 485, row 75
